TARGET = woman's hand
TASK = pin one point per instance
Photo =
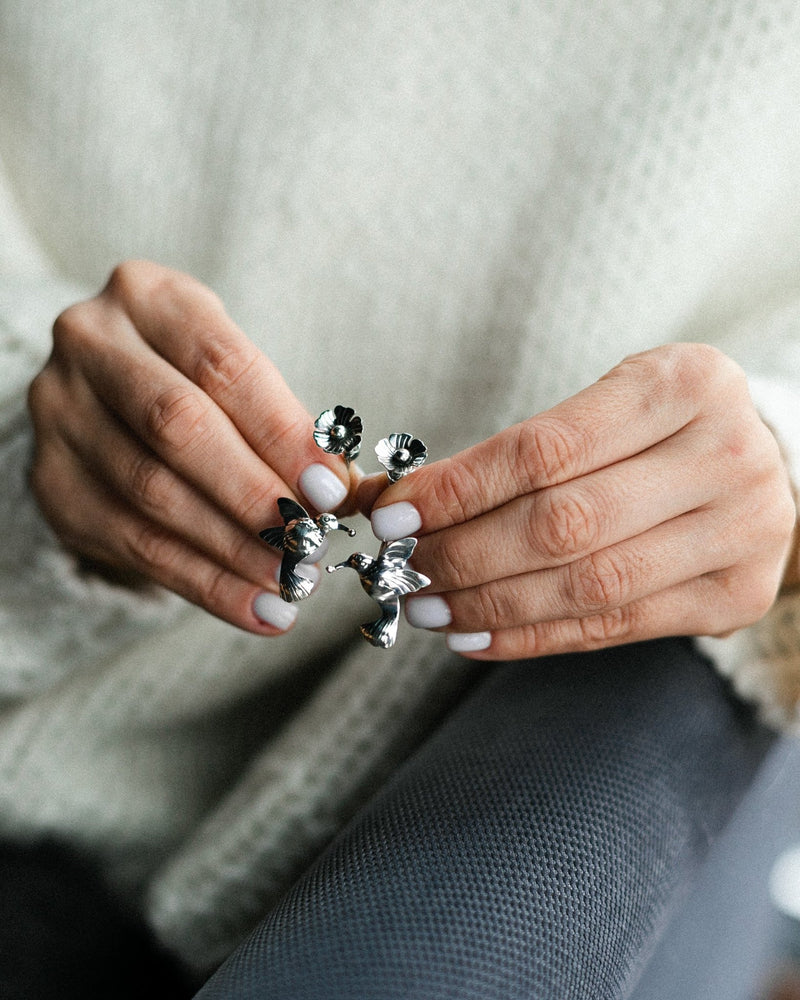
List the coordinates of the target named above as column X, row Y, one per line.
column 653, row 503
column 163, row 439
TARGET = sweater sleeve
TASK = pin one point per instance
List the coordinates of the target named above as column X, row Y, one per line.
column 763, row 661
column 54, row 618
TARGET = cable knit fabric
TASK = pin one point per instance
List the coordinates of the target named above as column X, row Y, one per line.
column 449, row 216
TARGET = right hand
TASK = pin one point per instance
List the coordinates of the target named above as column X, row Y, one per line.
column 164, row 438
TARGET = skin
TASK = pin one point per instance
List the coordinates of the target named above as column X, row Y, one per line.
column 164, row 438
column 654, row 502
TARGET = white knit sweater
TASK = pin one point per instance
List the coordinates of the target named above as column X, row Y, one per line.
column 448, row 215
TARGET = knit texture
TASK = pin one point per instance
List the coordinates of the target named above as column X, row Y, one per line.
column 448, row 216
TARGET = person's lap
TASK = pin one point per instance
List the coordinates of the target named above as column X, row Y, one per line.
column 536, row 845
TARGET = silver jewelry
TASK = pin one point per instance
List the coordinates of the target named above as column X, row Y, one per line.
column 400, row 454
column 298, row 537
column 338, row 432
column 385, row 580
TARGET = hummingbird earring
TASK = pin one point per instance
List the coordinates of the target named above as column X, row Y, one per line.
column 385, row 580
column 299, row 537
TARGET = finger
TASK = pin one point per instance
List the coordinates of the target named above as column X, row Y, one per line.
column 101, row 528
column 599, row 583
column 569, row 521
column 141, row 480
column 179, row 422
column 187, row 325
column 370, row 488
column 644, row 400
column 691, row 608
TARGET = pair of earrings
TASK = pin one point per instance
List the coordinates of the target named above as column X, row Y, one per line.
column 385, row 578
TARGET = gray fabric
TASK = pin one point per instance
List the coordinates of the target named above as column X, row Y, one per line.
column 536, row 846
column 728, row 940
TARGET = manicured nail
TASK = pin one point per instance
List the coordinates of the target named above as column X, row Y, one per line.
column 428, row 611
column 270, row 609
column 469, row 642
column 310, row 572
column 395, row 521
column 322, row 487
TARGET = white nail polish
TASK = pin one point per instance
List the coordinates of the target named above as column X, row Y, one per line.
column 270, row 609
column 428, row 611
column 395, row 521
column 469, row 642
column 321, row 487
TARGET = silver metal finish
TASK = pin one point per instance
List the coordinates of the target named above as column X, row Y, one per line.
column 385, row 580
column 338, row 432
column 298, row 537
column 400, row 454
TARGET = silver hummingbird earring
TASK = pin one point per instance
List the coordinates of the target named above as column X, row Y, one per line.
column 299, row 537
column 385, row 580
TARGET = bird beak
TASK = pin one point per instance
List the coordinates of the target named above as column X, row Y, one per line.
column 350, row 531
column 332, row 569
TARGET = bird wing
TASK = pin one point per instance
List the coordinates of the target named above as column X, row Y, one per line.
column 392, row 572
column 394, row 555
column 404, row 581
column 273, row 536
column 290, row 510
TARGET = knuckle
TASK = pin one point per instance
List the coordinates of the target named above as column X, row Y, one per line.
column 609, row 628
column 210, row 591
column 277, row 438
column 234, row 550
column 754, row 598
column 685, row 368
column 545, row 450
column 177, row 417
column 130, row 279
column 451, row 573
column 251, row 504
column 221, row 365
column 456, row 490
column 153, row 550
column 598, row 582
column 149, row 483
column 746, row 597
column 495, row 607
column 41, row 394
column 72, row 328
column 565, row 528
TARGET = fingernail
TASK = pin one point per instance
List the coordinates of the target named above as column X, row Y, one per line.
column 321, row 487
column 395, row 521
column 270, row 609
column 429, row 611
column 310, row 572
column 469, row 642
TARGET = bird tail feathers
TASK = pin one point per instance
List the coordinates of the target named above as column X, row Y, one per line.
column 383, row 631
column 293, row 586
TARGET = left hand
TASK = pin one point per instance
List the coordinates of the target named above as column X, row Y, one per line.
column 653, row 503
